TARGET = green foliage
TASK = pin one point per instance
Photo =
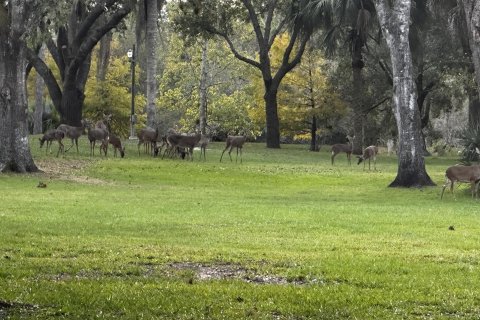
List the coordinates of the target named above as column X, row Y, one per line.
column 113, row 96
column 228, row 101
column 470, row 140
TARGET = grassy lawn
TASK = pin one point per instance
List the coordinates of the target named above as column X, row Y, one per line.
column 285, row 235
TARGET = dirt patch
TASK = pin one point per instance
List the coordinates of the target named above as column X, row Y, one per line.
column 234, row 271
column 70, row 170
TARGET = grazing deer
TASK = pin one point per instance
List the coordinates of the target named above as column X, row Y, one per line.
column 50, row 136
column 148, row 137
column 73, row 132
column 176, row 141
column 97, row 134
column 234, row 142
column 369, row 153
column 117, row 145
column 467, row 174
column 347, row 148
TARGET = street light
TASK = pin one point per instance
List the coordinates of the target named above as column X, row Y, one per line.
column 133, row 118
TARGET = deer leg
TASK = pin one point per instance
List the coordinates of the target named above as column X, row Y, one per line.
column 60, row 147
column 223, row 153
column 333, row 157
column 349, row 158
column 241, row 152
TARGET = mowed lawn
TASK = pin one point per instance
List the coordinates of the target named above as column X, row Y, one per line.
column 284, row 235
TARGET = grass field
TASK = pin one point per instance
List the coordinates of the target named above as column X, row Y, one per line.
column 285, row 235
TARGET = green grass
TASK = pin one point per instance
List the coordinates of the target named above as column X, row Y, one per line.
column 284, row 235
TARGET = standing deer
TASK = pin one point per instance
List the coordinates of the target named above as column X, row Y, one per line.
column 467, row 174
column 73, row 132
column 347, row 148
column 234, row 142
column 104, row 123
column 203, row 143
column 148, row 137
column 97, row 134
column 50, row 136
column 176, row 141
column 369, row 153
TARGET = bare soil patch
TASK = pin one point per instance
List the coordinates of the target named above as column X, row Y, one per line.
column 70, row 170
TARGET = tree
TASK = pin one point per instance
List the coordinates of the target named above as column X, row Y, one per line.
column 394, row 17
column 15, row 18
column 472, row 19
column 268, row 19
column 75, row 41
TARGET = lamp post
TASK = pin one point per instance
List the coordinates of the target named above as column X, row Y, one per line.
column 133, row 118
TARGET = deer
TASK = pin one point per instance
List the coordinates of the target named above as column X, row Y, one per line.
column 103, row 124
column 49, row 137
column 234, row 142
column 467, row 174
column 347, row 148
column 116, row 143
column 176, row 141
column 97, row 134
column 148, row 137
column 73, row 132
column 203, row 143
column 368, row 154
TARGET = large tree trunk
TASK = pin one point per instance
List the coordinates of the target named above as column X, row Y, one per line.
column 39, row 101
column 472, row 17
column 395, row 24
column 203, row 88
column 151, row 50
column 103, row 57
column 273, row 126
column 359, row 92
column 473, row 109
column 72, row 104
column 14, row 148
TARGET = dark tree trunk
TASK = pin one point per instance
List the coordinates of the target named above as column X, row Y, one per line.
column 395, row 27
column 472, row 17
column 14, row 148
column 72, row 54
column 473, row 110
column 313, row 135
column 273, row 126
column 359, row 92
column 39, row 101
column 103, row 56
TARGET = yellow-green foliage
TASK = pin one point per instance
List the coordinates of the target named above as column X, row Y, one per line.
column 304, row 92
column 113, row 96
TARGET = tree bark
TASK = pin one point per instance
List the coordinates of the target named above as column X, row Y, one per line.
column 151, row 43
column 395, row 24
column 203, row 88
column 104, row 56
column 472, row 17
column 14, row 147
column 39, row 101
column 271, row 115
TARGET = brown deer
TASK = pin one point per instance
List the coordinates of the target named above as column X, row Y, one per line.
column 104, row 123
column 368, row 154
column 347, row 148
column 234, row 142
column 116, row 143
column 178, row 141
column 148, row 137
column 203, row 143
column 49, row 137
column 97, row 134
column 467, row 174
column 73, row 132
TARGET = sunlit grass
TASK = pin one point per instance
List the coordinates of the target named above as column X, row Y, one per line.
column 284, row 235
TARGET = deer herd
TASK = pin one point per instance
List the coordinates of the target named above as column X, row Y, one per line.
column 174, row 144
